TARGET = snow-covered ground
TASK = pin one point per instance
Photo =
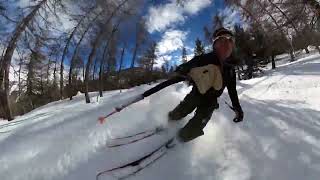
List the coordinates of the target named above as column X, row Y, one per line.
column 278, row 139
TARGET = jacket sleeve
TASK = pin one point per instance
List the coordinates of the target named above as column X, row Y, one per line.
column 233, row 94
column 185, row 68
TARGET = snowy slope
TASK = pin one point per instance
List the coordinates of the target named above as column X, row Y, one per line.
column 279, row 138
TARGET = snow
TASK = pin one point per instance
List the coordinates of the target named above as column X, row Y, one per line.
column 278, row 139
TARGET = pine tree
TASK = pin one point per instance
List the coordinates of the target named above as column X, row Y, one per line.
column 34, row 68
column 148, row 60
column 199, row 49
column 184, row 55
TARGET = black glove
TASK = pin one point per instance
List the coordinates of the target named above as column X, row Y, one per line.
column 239, row 116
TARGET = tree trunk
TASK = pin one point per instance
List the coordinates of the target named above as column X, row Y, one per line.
column 238, row 72
column 102, row 69
column 4, row 108
column 19, row 78
column 31, row 74
column 120, row 66
column 291, row 55
column 318, row 48
column 250, row 68
column 54, row 83
column 4, row 71
column 273, row 61
column 66, row 50
column 90, row 59
column 48, row 73
column 55, row 74
column 94, row 69
column 75, row 52
column 101, row 79
column 41, row 83
column 134, row 55
column 70, row 77
column 83, row 71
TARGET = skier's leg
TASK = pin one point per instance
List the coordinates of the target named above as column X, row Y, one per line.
column 194, row 128
column 185, row 107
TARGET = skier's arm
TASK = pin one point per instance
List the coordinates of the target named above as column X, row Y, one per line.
column 163, row 85
column 185, row 68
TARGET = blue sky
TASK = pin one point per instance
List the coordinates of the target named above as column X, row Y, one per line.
column 173, row 26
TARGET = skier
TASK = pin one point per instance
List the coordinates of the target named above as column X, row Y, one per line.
column 210, row 74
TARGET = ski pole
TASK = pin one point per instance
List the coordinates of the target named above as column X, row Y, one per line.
column 119, row 108
column 229, row 106
column 143, row 95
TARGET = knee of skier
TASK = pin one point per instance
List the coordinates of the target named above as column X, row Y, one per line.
column 173, row 115
column 187, row 134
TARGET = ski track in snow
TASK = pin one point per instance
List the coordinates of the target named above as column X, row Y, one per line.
column 278, row 139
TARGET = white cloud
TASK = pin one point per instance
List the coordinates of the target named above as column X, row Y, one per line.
column 172, row 40
column 190, row 56
column 231, row 17
column 25, row 3
column 194, row 6
column 161, row 17
column 162, row 59
column 174, row 59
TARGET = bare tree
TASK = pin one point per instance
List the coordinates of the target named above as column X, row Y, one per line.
column 121, row 60
column 291, row 20
column 96, row 44
column 256, row 13
column 65, row 50
column 140, row 38
column 149, row 57
column 76, row 50
column 315, row 5
column 101, row 69
column 166, row 66
column 4, row 71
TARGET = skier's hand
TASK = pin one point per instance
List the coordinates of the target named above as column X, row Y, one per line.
column 238, row 117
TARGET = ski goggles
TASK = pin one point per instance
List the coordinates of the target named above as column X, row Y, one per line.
column 225, row 36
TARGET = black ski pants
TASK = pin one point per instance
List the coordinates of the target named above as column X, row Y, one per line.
column 204, row 105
